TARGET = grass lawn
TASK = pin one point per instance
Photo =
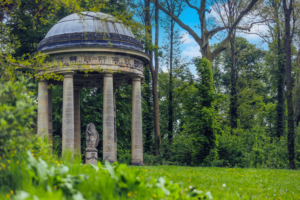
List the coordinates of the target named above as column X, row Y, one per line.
column 231, row 183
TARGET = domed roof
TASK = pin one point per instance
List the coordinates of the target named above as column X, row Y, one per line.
column 94, row 29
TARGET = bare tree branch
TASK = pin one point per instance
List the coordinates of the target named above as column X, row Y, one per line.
column 191, row 6
column 180, row 23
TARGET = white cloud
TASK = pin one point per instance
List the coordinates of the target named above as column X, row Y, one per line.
column 214, row 14
column 258, row 29
column 192, row 51
column 165, row 69
column 245, row 22
column 185, row 38
column 190, row 46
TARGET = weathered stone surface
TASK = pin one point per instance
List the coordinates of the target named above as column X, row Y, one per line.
column 43, row 110
column 108, row 67
column 115, row 126
column 50, row 124
column 91, row 156
column 92, row 136
column 77, row 122
column 136, row 122
column 68, row 114
column 108, row 119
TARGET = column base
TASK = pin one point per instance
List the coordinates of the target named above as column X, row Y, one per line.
column 110, row 161
column 91, row 156
column 137, row 164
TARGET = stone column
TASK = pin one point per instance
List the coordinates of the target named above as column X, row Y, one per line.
column 136, row 123
column 77, row 122
column 108, row 118
column 68, row 114
column 115, row 125
column 43, row 114
column 50, row 123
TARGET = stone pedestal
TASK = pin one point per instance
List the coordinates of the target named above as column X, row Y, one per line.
column 108, row 119
column 91, row 156
column 68, row 114
column 136, row 123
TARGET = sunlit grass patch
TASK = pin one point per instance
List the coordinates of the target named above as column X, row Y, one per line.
column 231, row 183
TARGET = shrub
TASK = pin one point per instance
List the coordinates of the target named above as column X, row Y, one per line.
column 17, row 111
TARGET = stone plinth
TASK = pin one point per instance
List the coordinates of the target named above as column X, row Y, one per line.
column 91, row 156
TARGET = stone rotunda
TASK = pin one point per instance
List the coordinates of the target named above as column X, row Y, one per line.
column 94, row 50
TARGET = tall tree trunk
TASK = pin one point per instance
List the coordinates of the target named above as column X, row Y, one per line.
column 280, row 87
column 297, row 92
column 170, row 126
column 154, row 78
column 233, row 92
column 287, row 44
column 154, row 73
column 156, row 115
column 147, row 116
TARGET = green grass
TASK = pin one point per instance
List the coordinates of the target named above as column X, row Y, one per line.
column 240, row 183
column 24, row 171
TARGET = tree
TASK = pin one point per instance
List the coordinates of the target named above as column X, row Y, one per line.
column 252, row 92
column 144, row 13
column 228, row 12
column 154, row 70
column 296, row 90
column 271, row 13
column 288, row 40
column 176, row 7
column 148, row 112
column 154, row 74
column 201, row 124
column 203, row 40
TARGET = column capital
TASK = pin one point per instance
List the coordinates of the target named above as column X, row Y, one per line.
column 136, row 78
column 107, row 75
column 68, row 74
column 41, row 81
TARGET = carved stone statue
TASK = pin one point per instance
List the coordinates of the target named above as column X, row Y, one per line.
column 92, row 140
column 92, row 136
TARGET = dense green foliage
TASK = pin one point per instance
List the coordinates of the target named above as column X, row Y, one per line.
column 198, row 127
column 27, row 171
column 201, row 126
column 254, row 142
column 147, row 112
column 17, row 116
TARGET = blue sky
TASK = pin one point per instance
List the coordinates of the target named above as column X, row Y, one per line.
column 190, row 48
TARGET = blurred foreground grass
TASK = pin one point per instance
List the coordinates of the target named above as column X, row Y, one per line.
column 231, row 183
